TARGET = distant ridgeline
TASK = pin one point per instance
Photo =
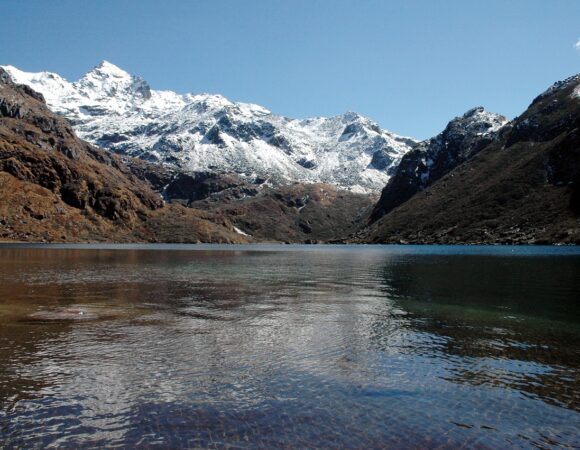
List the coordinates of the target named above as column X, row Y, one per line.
column 120, row 112
column 199, row 168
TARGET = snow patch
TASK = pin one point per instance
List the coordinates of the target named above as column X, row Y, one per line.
column 237, row 230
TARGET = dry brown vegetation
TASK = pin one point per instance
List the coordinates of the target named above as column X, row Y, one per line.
column 55, row 187
column 523, row 188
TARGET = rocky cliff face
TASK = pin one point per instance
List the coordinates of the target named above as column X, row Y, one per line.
column 429, row 160
column 208, row 133
column 523, row 187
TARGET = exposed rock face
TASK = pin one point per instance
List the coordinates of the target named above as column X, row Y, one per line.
column 524, row 187
column 431, row 159
column 208, row 133
column 189, row 188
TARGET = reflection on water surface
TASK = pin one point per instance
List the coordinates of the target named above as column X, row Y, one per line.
column 290, row 347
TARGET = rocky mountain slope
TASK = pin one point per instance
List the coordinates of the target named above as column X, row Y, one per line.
column 428, row 161
column 259, row 211
column 523, row 187
column 482, row 180
column 55, row 187
column 308, row 213
column 198, row 133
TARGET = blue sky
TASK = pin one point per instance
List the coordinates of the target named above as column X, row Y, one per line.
column 409, row 65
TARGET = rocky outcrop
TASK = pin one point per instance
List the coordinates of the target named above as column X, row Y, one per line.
column 429, row 160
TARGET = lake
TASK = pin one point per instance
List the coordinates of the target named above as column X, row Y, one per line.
column 163, row 346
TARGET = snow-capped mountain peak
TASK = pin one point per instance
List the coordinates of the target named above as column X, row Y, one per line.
column 108, row 80
column 207, row 132
column 105, row 69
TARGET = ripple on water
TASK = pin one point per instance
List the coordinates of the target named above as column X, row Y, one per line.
column 350, row 348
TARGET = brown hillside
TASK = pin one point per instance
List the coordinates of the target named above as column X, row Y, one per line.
column 522, row 188
column 55, row 187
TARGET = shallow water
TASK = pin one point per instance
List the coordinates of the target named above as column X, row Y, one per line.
column 289, row 346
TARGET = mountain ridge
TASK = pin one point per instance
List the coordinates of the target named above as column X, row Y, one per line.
column 463, row 137
column 521, row 188
column 483, row 179
column 120, row 112
column 56, row 187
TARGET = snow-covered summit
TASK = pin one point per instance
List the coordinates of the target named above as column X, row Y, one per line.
column 105, row 69
column 107, row 80
column 119, row 111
